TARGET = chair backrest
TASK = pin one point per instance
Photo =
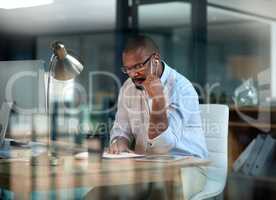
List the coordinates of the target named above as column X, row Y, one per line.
column 215, row 119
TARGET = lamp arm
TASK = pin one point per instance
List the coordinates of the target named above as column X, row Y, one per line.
column 48, row 99
column 48, row 83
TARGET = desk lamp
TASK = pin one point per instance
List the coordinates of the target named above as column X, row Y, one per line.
column 62, row 67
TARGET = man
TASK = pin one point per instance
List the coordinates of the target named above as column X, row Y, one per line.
column 158, row 108
column 158, row 112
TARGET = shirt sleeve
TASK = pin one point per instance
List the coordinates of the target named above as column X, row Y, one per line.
column 121, row 126
column 181, row 110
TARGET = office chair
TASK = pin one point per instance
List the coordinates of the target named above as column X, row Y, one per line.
column 215, row 124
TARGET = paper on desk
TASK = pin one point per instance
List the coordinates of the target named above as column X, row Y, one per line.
column 162, row 158
column 121, row 155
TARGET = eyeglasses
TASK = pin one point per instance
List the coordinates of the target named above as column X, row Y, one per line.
column 137, row 67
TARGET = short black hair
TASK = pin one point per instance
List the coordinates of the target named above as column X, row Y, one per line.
column 141, row 41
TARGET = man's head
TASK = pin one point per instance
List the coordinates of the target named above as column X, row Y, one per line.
column 139, row 55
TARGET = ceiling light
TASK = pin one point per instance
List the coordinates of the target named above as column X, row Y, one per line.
column 13, row 4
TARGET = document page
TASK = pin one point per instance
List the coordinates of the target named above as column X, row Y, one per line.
column 162, row 158
column 121, row 155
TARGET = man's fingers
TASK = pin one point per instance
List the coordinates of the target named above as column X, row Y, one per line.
column 112, row 148
column 116, row 148
column 129, row 151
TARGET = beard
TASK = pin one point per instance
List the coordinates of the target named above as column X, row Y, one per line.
column 138, row 82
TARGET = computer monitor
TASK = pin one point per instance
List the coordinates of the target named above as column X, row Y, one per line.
column 22, row 83
column 4, row 119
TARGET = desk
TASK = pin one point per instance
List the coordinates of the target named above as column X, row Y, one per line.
column 23, row 178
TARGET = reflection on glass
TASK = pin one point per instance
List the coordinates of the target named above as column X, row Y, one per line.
column 238, row 49
column 246, row 94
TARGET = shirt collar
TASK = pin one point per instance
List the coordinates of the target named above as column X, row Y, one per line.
column 165, row 73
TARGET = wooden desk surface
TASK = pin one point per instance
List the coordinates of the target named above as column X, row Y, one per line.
column 23, row 178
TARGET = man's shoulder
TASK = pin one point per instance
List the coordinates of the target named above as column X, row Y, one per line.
column 180, row 81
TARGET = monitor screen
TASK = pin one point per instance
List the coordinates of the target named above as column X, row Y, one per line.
column 22, row 83
column 4, row 119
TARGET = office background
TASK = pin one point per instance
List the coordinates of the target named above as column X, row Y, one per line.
column 207, row 42
column 218, row 45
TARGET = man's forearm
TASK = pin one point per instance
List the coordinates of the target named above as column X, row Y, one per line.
column 158, row 117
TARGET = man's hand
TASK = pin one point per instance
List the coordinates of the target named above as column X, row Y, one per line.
column 119, row 145
column 153, row 86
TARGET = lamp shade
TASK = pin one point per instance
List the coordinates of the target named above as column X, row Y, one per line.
column 64, row 66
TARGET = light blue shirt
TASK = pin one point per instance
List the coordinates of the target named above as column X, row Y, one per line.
column 184, row 135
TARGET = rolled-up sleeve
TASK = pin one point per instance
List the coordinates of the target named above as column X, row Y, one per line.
column 121, row 126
